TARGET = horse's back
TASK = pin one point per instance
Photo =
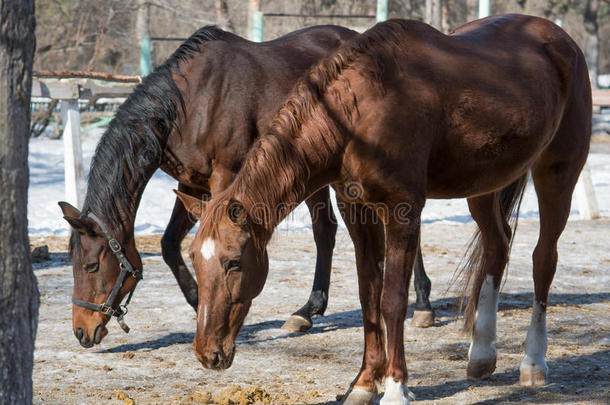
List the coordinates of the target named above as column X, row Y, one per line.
column 233, row 87
column 487, row 99
column 324, row 37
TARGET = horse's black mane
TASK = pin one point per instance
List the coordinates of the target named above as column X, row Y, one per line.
column 132, row 147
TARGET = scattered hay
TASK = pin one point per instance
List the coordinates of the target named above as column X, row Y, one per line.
column 236, row 395
column 122, row 396
column 202, row 397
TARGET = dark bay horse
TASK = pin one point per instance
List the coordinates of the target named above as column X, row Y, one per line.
column 195, row 117
column 409, row 114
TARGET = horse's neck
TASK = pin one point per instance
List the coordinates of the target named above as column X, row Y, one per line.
column 284, row 170
column 135, row 191
column 126, row 206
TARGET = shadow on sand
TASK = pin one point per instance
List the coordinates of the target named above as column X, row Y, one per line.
column 444, row 307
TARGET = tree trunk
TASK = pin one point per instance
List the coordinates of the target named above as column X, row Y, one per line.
column 592, row 40
column 142, row 19
column 433, row 13
column 222, row 15
column 473, row 10
column 142, row 30
column 445, row 26
column 18, row 289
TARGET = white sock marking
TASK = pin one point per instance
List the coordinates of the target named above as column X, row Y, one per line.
column 396, row 393
column 482, row 345
column 208, row 248
column 536, row 341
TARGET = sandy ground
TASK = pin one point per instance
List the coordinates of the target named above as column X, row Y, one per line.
column 155, row 363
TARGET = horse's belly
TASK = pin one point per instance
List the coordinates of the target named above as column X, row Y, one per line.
column 474, row 165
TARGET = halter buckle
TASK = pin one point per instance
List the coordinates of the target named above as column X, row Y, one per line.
column 106, row 310
column 114, row 245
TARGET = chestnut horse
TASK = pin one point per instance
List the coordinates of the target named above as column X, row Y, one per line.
column 409, row 113
column 195, row 117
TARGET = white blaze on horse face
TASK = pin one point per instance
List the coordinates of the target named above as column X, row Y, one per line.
column 396, row 393
column 205, row 316
column 484, row 335
column 208, row 248
column 535, row 342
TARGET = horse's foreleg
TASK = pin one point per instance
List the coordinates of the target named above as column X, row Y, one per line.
column 368, row 241
column 179, row 225
column 324, row 226
column 402, row 241
column 423, row 314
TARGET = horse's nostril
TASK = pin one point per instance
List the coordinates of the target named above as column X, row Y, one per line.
column 217, row 359
column 97, row 335
column 79, row 332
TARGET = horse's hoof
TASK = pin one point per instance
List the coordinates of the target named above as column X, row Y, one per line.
column 396, row 393
column 422, row 319
column 357, row 396
column 481, row 369
column 297, row 323
column 532, row 377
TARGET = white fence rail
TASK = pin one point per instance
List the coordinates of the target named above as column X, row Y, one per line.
column 69, row 91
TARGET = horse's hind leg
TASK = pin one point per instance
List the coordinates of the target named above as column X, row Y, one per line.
column 324, row 226
column 495, row 243
column 555, row 175
column 423, row 314
column 179, row 225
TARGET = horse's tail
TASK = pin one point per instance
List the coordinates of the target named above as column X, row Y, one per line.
column 472, row 272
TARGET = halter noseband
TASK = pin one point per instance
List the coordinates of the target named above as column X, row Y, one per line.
column 126, row 269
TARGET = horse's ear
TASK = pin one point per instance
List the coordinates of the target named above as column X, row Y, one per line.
column 193, row 205
column 68, row 210
column 84, row 226
column 237, row 212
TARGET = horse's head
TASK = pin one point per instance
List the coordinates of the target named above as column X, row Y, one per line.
column 231, row 272
column 96, row 269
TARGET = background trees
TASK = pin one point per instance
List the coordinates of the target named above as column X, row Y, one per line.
column 102, row 35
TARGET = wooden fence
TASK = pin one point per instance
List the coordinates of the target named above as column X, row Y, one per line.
column 68, row 92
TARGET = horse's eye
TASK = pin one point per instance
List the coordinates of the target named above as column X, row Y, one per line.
column 232, row 265
column 91, row 267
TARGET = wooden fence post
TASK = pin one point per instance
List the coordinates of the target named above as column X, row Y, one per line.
column 73, row 154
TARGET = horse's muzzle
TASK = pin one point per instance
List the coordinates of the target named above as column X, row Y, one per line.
column 216, row 360
column 86, row 341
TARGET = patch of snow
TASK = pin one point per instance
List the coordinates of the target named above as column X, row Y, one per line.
column 47, row 187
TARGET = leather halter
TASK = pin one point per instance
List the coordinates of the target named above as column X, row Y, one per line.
column 126, row 270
